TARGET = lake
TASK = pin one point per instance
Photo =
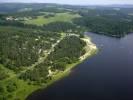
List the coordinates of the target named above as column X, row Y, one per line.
column 105, row 76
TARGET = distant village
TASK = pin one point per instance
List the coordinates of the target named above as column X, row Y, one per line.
column 11, row 18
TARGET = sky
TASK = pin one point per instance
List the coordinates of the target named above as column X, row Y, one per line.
column 75, row 2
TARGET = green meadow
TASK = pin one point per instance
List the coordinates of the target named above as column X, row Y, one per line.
column 40, row 20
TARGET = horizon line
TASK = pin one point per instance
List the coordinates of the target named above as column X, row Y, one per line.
column 66, row 3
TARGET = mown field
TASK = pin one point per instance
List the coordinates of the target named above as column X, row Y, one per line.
column 40, row 20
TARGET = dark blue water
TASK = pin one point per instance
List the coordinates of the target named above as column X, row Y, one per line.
column 106, row 76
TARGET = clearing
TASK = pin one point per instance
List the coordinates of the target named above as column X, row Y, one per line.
column 40, row 20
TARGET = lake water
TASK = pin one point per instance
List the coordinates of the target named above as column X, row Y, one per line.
column 106, row 76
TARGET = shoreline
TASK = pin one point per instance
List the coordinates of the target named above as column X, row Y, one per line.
column 25, row 89
column 89, row 53
column 91, row 50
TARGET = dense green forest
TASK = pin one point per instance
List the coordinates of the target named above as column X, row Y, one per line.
column 22, row 47
column 24, row 55
column 64, row 53
column 40, row 41
column 108, row 22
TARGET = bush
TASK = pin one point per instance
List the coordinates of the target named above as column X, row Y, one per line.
column 1, row 89
column 11, row 87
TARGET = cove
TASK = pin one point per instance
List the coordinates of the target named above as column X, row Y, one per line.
column 105, row 76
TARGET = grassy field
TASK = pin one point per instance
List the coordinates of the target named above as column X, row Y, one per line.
column 40, row 20
column 23, row 89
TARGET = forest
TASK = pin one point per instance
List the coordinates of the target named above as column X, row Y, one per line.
column 28, row 52
column 64, row 53
column 22, row 47
column 108, row 22
column 34, row 50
